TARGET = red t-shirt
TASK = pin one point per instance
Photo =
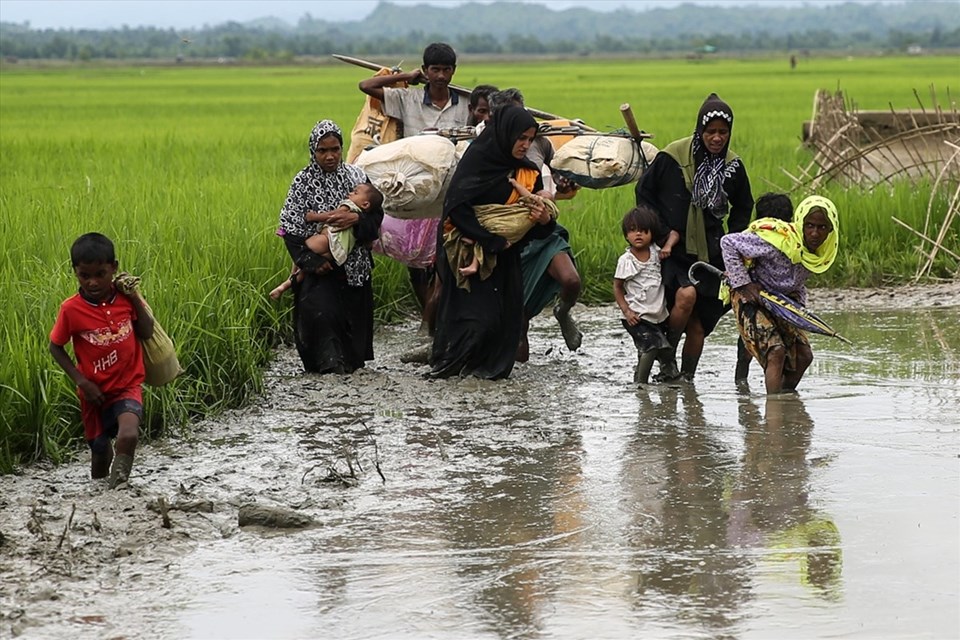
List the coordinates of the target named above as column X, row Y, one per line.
column 106, row 348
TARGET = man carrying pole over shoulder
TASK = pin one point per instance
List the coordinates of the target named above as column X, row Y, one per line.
column 434, row 106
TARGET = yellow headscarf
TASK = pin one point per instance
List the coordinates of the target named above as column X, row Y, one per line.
column 788, row 236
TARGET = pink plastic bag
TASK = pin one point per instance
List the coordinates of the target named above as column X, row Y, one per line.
column 412, row 242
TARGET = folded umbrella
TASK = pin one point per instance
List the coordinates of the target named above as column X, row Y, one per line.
column 780, row 305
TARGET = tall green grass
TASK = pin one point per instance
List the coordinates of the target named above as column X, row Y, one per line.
column 186, row 169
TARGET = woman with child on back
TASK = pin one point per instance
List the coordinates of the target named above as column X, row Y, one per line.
column 779, row 256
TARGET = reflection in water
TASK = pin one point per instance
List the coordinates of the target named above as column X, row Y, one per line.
column 688, row 567
column 514, row 523
column 566, row 503
column 709, row 531
column 769, row 507
column 914, row 345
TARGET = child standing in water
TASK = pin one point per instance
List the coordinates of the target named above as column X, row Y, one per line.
column 639, row 292
column 333, row 244
column 769, row 205
column 105, row 327
column 781, row 256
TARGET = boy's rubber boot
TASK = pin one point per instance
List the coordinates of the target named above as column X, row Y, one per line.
column 645, row 360
column 120, row 473
column 568, row 327
column 688, row 367
column 668, row 359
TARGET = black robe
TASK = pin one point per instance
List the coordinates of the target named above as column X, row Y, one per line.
column 332, row 320
column 478, row 331
column 662, row 187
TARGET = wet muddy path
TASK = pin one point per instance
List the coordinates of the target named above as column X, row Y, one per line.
column 561, row 503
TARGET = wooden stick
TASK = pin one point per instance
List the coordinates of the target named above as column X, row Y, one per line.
column 952, row 209
column 931, row 241
column 464, row 91
column 66, row 528
column 632, row 127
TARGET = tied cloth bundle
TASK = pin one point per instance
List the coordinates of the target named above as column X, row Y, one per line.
column 159, row 354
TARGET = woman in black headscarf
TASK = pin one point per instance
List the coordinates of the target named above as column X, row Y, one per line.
column 478, row 330
column 333, row 305
column 698, row 186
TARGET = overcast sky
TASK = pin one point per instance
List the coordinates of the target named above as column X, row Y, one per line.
column 186, row 14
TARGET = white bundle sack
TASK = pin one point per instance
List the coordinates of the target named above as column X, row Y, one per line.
column 412, row 174
column 598, row 161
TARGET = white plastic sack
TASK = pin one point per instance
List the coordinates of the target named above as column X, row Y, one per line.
column 412, row 174
column 598, row 162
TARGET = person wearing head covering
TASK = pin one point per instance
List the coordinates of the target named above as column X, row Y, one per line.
column 768, row 205
column 478, row 330
column 333, row 304
column 549, row 268
column 701, row 190
column 779, row 256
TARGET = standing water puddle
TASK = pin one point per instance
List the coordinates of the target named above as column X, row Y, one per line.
column 561, row 503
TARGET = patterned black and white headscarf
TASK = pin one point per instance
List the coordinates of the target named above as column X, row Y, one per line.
column 711, row 170
column 314, row 189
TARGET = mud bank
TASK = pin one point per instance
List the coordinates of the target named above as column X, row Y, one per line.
column 540, row 506
column 919, row 296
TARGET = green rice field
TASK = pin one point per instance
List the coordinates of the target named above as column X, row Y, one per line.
column 186, row 168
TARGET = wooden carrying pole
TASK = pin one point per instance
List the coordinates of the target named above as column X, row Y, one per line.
column 635, row 132
column 464, row 91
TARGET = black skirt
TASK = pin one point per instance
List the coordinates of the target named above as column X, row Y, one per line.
column 708, row 308
column 332, row 320
column 478, row 331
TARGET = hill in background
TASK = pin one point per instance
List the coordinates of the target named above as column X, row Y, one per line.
column 515, row 28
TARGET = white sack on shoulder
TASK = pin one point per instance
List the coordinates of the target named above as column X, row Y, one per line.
column 598, row 162
column 412, row 173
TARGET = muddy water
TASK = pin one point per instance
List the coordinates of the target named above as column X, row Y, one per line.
column 561, row 503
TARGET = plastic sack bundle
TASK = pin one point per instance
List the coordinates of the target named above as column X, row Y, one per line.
column 410, row 242
column 412, row 174
column 159, row 355
column 599, row 162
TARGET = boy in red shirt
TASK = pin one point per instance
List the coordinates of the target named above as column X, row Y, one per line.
column 105, row 327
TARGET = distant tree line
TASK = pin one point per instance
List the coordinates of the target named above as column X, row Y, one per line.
column 235, row 41
column 514, row 29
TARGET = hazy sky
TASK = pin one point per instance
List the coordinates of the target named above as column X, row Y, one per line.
column 185, row 14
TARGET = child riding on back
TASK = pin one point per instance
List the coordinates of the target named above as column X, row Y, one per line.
column 779, row 256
